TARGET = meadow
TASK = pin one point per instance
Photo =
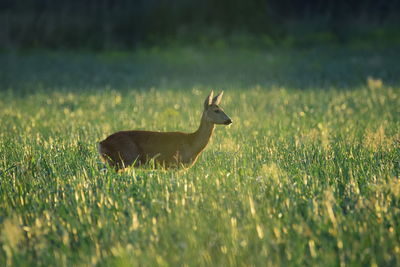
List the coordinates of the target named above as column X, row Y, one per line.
column 307, row 174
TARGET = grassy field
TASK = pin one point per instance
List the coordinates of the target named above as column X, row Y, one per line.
column 308, row 173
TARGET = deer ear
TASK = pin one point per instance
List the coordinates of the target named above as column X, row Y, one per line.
column 217, row 99
column 208, row 100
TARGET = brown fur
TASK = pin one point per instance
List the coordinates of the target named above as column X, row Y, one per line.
column 168, row 149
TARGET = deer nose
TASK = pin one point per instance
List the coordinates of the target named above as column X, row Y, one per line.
column 229, row 121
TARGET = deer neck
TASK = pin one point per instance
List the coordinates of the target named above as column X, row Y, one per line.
column 203, row 134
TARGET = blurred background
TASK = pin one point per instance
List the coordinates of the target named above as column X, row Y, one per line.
column 185, row 44
column 129, row 24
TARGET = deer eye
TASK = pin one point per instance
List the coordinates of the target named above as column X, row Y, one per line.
column 216, row 111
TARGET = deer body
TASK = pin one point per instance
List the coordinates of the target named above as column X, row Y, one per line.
column 168, row 149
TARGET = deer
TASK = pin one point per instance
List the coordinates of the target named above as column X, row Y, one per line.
column 166, row 149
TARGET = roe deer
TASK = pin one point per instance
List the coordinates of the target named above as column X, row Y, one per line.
column 168, row 149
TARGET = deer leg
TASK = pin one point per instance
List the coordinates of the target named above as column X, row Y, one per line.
column 129, row 155
column 123, row 156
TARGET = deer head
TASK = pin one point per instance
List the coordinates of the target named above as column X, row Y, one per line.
column 214, row 113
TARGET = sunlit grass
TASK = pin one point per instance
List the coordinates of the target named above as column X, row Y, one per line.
column 300, row 178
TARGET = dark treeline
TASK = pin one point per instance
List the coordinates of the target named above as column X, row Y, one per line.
column 103, row 24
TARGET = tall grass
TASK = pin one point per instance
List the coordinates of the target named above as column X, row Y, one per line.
column 302, row 177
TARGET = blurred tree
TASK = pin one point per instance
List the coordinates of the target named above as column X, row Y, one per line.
column 104, row 24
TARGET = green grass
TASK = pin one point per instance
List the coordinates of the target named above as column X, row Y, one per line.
column 302, row 177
